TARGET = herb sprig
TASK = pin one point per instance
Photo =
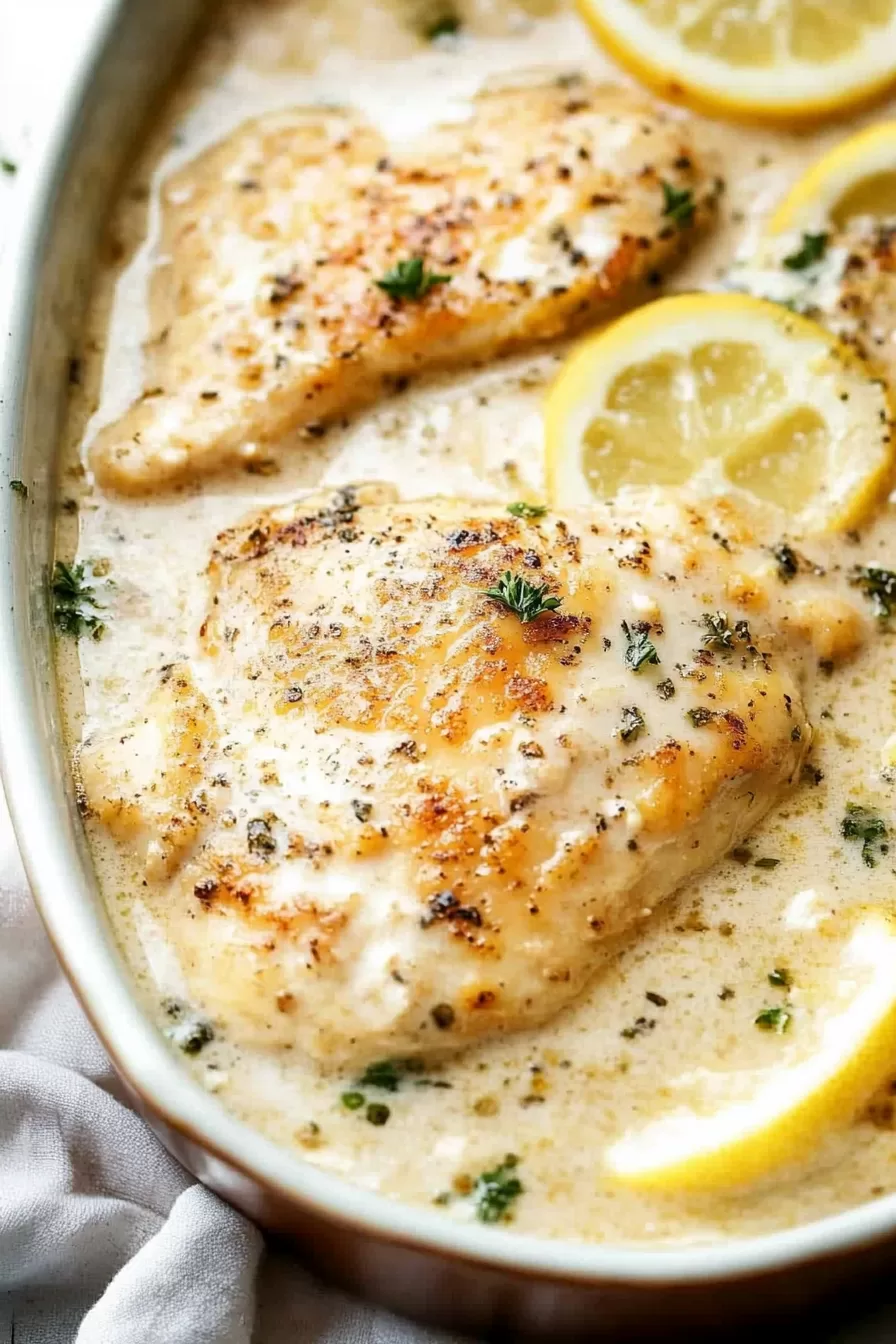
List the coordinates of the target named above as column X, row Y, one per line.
column 718, row 633
column 864, row 824
column 640, row 650
column 633, row 723
column 410, row 279
column 678, row 205
column 521, row 509
column 496, row 1190
column 813, row 248
column 74, row 601
column 777, row 1020
column 526, row 600
column 445, row 24
column 878, row 585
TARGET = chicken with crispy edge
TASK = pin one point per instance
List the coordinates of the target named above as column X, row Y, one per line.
column 386, row 813
column 308, row 270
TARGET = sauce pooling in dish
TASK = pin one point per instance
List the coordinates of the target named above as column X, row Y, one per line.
column 725, row 978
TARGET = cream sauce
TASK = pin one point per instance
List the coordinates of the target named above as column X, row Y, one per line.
column 679, row 1002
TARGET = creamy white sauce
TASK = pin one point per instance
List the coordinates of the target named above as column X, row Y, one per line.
column 559, row 1096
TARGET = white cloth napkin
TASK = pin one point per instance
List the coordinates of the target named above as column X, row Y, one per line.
column 104, row 1238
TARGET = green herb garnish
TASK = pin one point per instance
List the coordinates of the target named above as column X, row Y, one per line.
column 812, row 250
column 495, row 1191
column 700, row 716
column 72, row 600
column 447, row 24
column 774, row 1019
column 632, row 723
column 260, row 838
column 862, row 823
column 678, row 205
column 384, row 1073
column 410, row 280
column 666, row 688
column 526, row 600
column 352, row 1101
column 192, row 1036
column 787, row 561
column 523, row 510
column 878, row 585
column 19, row 488
column 719, row 634
column 766, row 862
column 640, row 649
column 7, row 166
column 377, row 1113
column 780, row 978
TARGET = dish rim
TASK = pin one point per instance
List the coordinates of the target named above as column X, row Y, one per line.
column 40, row 803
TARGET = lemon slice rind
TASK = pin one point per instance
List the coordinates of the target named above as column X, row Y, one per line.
column 820, row 373
column 787, row 91
column 811, row 202
column 795, row 1104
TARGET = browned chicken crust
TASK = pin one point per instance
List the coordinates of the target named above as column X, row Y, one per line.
column 392, row 817
column 547, row 208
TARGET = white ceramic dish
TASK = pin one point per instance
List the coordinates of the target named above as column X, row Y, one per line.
column 471, row 1277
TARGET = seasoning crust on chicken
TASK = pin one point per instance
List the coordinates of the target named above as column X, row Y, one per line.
column 551, row 205
column 414, row 819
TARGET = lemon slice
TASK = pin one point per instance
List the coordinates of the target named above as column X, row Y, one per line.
column 795, row 1103
column 785, row 61
column 720, row 393
column 856, row 179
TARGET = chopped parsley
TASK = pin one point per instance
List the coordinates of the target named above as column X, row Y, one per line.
column 526, row 600
column 384, row 1073
column 719, row 634
column 410, row 280
column 192, row 1036
column 352, row 1101
column 640, row 649
column 787, row 561
column 774, row 1019
column 377, row 1113
column 864, row 824
column 780, row 977
column 495, row 1191
column 523, row 510
column 813, row 248
column 878, row 585
column 640, row 1028
column 8, row 167
column 666, row 688
column 446, row 24
column 633, row 723
column 700, row 716
column 678, row 206
column 766, row 862
column 362, row 809
column 260, row 837
column 74, row 602
column 19, row 488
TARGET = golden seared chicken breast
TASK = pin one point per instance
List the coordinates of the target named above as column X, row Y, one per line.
column 427, row 758
column 309, row 269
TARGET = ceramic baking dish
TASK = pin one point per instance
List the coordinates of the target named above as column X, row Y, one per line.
column 473, row 1278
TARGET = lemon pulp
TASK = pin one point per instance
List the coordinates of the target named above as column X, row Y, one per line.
column 793, row 1104
column 720, row 393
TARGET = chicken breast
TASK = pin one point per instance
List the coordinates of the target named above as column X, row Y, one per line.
column 860, row 302
column 390, row 816
column 309, row 269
